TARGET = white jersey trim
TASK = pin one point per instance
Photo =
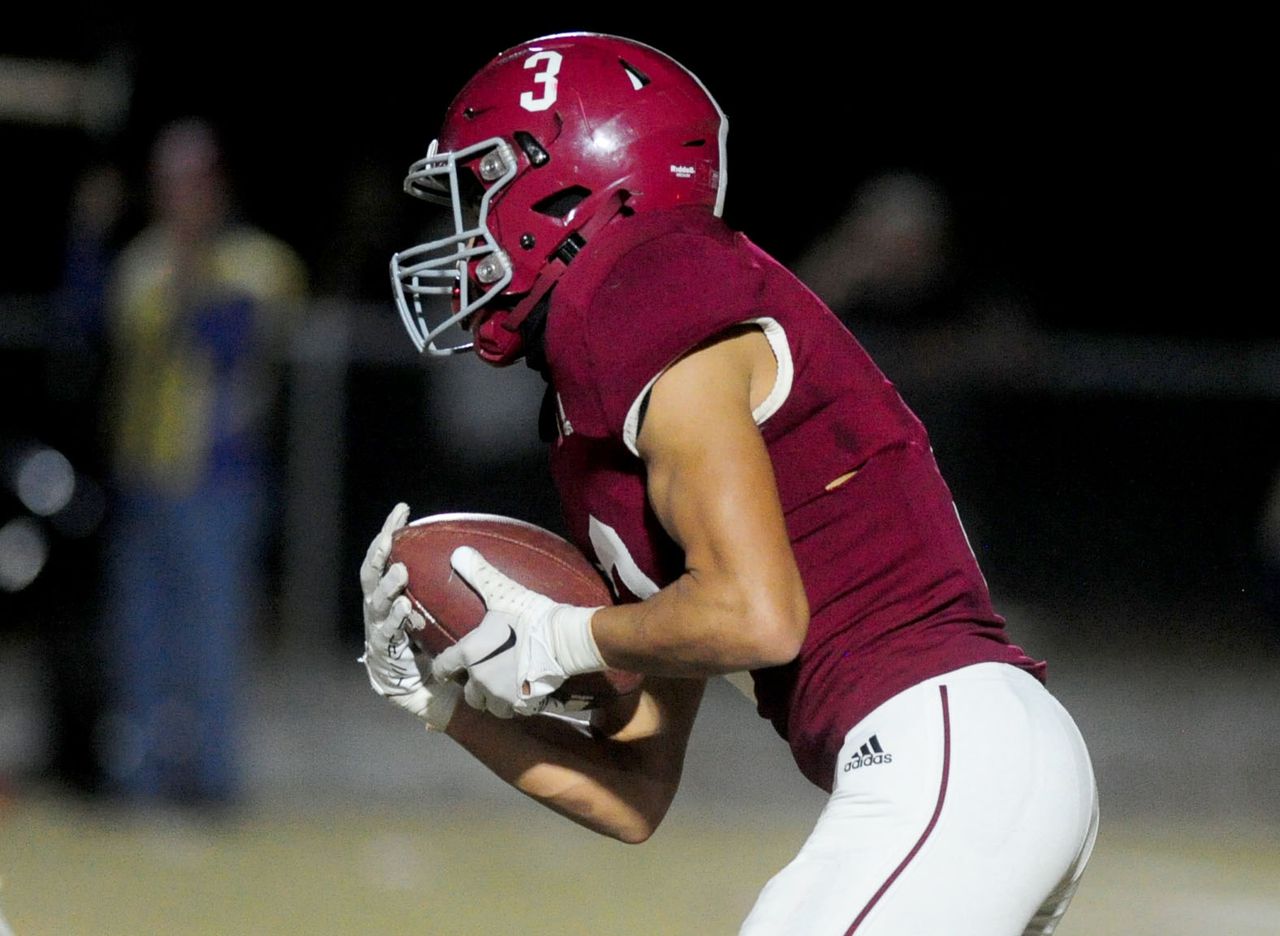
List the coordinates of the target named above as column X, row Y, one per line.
column 778, row 394
column 786, row 370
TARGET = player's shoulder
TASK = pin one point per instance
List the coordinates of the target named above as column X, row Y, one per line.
column 679, row 259
column 649, row 294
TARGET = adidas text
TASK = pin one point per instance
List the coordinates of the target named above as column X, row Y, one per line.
column 860, row 760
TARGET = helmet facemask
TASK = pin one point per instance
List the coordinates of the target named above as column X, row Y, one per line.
column 470, row 261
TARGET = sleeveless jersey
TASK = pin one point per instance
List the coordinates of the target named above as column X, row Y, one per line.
column 895, row 593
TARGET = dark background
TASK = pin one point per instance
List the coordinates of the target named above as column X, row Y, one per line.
column 1101, row 383
column 1096, row 169
column 1102, row 178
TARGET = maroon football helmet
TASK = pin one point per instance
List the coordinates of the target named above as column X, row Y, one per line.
column 548, row 146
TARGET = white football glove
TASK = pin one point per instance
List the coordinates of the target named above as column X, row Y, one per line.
column 522, row 650
column 388, row 654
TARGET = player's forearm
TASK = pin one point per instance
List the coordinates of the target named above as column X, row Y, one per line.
column 705, row 625
column 617, row 786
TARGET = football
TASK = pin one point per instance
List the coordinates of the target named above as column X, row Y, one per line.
column 534, row 557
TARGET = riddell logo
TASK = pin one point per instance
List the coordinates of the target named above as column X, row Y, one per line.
column 683, row 172
column 869, row 754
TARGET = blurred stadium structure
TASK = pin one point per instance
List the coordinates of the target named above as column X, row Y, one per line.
column 1106, row 418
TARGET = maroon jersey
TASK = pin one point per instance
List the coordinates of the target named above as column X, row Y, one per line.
column 894, row 591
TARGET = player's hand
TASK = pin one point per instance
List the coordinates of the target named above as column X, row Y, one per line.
column 523, row 649
column 388, row 653
column 375, row 560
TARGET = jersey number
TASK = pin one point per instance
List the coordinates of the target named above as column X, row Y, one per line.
column 546, row 77
column 616, row 561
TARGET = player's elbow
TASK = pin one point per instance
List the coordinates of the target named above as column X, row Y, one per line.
column 779, row 627
column 630, row 814
column 779, row 642
column 636, row 833
column 650, row 809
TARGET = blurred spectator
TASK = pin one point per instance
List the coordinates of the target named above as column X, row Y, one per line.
column 889, row 256
column 892, row 268
column 96, row 209
column 199, row 305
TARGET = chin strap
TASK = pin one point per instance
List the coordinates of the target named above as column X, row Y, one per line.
column 568, row 249
column 532, row 330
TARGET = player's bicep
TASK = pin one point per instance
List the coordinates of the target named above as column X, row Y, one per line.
column 618, row 781
column 700, row 444
column 656, row 735
column 663, row 708
column 641, row 740
column 711, row 481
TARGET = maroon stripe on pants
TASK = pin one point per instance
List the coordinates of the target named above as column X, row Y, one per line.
column 937, row 811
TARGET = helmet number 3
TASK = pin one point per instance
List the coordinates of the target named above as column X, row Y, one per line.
column 545, row 76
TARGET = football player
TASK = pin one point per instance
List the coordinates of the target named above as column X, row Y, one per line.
column 760, row 498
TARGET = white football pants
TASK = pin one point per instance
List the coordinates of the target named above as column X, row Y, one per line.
column 963, row 806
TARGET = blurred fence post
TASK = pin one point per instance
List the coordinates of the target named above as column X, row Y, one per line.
column 315, row 446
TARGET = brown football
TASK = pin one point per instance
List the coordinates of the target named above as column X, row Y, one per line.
column 534, row 557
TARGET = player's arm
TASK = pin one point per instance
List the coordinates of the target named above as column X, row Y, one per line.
column 619, row 781
column 740, row 603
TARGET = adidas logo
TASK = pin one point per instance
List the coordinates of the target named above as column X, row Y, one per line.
column 870, row 753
